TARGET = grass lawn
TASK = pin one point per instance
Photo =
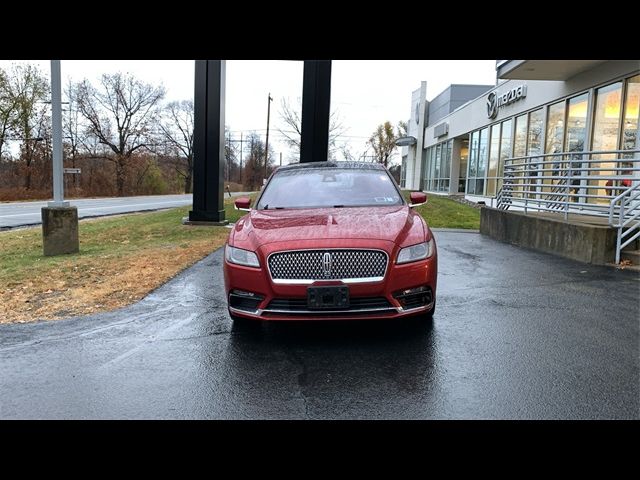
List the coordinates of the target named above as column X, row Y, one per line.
column 121, row 259
column 442, row 212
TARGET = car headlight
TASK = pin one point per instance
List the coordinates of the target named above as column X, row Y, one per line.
column 241, row 257
column 416, row 252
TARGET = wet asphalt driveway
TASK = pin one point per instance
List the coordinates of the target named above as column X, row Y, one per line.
column 517, row 334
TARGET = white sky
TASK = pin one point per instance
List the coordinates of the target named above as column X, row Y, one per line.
column 365, row 92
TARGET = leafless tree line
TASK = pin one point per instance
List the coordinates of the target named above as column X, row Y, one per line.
column 119, row 131
column 126, row 139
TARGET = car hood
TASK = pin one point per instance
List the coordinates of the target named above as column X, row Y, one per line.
column 394, row 224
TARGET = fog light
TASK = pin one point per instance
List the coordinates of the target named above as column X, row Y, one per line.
column 414, row 297
column 242, row 293
column 242, row 300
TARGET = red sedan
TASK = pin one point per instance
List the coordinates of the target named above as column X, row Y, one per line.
column 330, row 240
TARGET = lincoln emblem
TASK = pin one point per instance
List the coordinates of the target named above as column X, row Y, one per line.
column 326, row 264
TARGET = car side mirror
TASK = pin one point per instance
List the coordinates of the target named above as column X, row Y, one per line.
column 417, row 198
column 243, row 203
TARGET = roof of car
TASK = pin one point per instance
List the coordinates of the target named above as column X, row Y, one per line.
column 354, row 165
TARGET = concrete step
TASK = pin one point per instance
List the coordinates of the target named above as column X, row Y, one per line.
column 632, row 255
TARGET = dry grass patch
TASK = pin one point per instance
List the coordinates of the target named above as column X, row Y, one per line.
column 121, row 259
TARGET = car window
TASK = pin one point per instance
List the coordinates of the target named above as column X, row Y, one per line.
column 329, row 187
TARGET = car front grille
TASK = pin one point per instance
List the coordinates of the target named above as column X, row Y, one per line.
column 299, row 266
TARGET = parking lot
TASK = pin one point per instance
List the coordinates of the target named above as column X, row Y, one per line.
column 517, row 335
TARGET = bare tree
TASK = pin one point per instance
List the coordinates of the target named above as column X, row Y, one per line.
column 383, row 141
column 8, row 109
column 73, row 129
column 291, row 116
column 177, row 129
column 29, row 88
column 254, row 162
column 121, row 114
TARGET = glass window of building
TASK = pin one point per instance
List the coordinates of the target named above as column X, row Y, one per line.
column 473, row 163
column 534, row 136
column 577, row 123
column 464, row 158
column 483, row 157
column 555, row 128
column 631, row 115
column 554, row 141
column 494, row 158
column 607, row 117
column 606, row 130
column 576, row 136
column 436, row 177
column 436, row 168
column 520, row 143
column 505, row 147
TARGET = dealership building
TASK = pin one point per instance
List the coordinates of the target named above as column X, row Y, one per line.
column 464, row 135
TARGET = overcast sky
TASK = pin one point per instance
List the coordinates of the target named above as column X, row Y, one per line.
column 364, row 92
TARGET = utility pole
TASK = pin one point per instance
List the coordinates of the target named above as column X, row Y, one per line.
column 56, row 130
column 229, row 159
column 266, row 148
column 280, row 158
column 241, row 142
column 59, row 220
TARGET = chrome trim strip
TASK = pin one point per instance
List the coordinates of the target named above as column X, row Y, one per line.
column 343, row 280
column 346, row 280
column 361, row 310
column 246, row 312
column 428, row 306
column 259, row 311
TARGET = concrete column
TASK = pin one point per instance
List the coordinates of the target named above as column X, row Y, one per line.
column 60, row 230
column 455, row 165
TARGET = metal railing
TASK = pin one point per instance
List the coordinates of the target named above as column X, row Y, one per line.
column 595, row 183
column 624, row 214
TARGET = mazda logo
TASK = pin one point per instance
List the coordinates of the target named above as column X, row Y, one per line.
column 327, row 260
column 492, row 105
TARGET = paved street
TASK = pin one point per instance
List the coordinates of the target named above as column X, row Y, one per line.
column 517, row 335
column 15, row 214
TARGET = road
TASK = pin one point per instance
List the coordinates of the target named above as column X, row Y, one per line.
column 18, row 214
column 517, row 334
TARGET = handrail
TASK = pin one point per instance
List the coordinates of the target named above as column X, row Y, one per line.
column 628, row 222
column 579, row 183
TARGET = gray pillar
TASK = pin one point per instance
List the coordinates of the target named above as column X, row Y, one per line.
column 60, row 230
column 208, row 143
column 59, row 220
column 316, row 105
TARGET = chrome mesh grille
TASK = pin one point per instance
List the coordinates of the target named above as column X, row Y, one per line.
column 312, row 264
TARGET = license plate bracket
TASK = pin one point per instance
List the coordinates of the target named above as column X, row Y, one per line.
column 330, row 297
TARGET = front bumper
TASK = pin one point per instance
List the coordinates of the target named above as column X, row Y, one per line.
column 373, row 300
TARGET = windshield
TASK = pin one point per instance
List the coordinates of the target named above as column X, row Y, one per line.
column 329, row 187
